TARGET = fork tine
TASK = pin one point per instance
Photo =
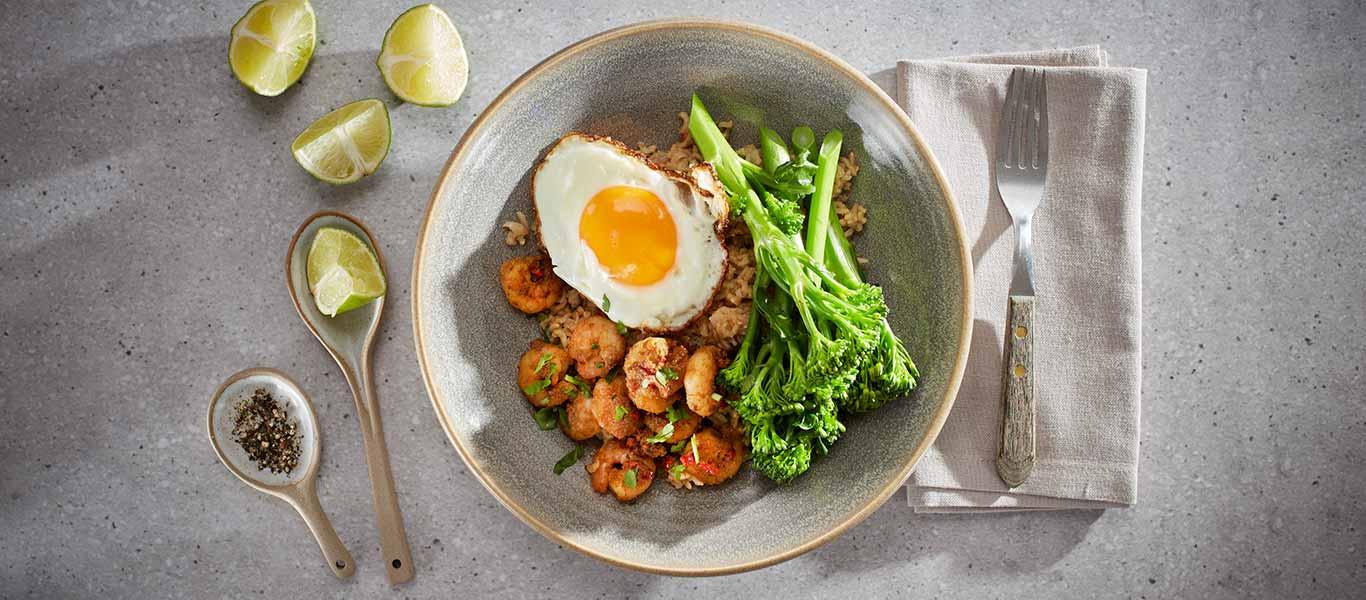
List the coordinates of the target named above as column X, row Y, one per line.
column 1022, row 118
column 1006, row 130
column 1043, row 121
column 1030, row 156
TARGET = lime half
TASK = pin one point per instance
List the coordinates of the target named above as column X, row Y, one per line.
column 271, row 45
column 346, row 144
column 343, row 272
column 423, row 60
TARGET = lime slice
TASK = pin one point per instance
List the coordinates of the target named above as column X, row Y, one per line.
column 343, row 272
column 271, row 45
column 346, row 144
column 423, row 60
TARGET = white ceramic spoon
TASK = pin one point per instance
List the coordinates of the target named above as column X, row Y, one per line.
column 296, row 487
column 348, row 337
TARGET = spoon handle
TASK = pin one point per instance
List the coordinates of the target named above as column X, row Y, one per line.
column 338, row 557
column 393, row 541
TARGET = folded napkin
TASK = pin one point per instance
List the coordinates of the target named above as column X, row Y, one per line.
column 1086, row 276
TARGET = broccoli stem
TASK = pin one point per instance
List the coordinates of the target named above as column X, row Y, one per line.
column 841, row 259
column 773, row 149
column 817, row 225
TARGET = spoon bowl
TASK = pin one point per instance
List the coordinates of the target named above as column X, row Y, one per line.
column 296, row 487
column 348, row 337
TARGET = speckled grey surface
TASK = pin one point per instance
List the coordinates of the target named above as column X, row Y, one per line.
column 147, row 200
column 631, row 84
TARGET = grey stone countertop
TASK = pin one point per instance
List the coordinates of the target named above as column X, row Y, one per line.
column 146, row 200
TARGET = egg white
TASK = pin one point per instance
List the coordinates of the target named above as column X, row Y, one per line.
column 581, row 165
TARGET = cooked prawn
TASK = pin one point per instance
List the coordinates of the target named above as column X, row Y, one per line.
column 596, row 346
column 540, row 374
column 529, row 284
column 683, row 428
column 612, row 408
column 579, row 423
column 654, row 370
column 617, row 468
column 700, row 378
column 711, row 458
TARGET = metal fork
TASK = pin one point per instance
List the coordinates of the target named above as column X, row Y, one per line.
column 1021, row 167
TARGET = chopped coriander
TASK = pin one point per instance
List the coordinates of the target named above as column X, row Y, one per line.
column 621, row 328
column 569, row 460
column 540, row 364
column 630, row 478
column 606, row 303
column 580, row 384
column 676, row 448
column 664, row 434
column 676, row 471
column 546, row 417
column 676, row 414
column 563, row 417
column 596, row 346
column 664, row 375
column 536, row 387
column 621, row 413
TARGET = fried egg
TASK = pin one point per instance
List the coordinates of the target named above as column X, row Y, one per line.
column 641, row 242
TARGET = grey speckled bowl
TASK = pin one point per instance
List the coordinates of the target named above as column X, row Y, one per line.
column 630, row 83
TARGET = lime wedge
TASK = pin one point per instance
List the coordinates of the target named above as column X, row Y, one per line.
column 343, row 272
column 271, row 45
column 346, row 144
column 423, row 60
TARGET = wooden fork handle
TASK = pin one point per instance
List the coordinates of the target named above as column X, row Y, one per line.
column 1016, row 459
column 393, row 541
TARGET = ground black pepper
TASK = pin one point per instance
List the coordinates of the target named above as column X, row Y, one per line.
column 264, row 430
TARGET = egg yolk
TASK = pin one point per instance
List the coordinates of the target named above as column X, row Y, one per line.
column 631, row 232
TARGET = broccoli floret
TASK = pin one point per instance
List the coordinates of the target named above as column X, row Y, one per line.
column 786, row 464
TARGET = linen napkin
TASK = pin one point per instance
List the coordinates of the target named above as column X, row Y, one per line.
column 1087, row 266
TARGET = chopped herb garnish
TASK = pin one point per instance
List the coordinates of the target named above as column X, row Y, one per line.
column 630, row 478
column 665, row 374
column 580, row 384
column 540, row 364
column 676, row 414
column 606, row 303
column 596, row 346
column 621, row 413
column 599, row 365
column 568, row 460
column 676, row 471
column 676, row 448
column 664, row 434
column 621, row 328
column 536, row 387
column 547, row 417
column 715, row 396
column 563, row 417
column 695, row 457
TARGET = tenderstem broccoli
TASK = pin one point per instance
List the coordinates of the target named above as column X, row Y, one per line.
column 817, row 341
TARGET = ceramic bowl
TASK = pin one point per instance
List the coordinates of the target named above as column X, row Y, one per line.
column 631, row 83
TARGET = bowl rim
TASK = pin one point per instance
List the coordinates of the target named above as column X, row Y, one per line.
column 964, row 336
